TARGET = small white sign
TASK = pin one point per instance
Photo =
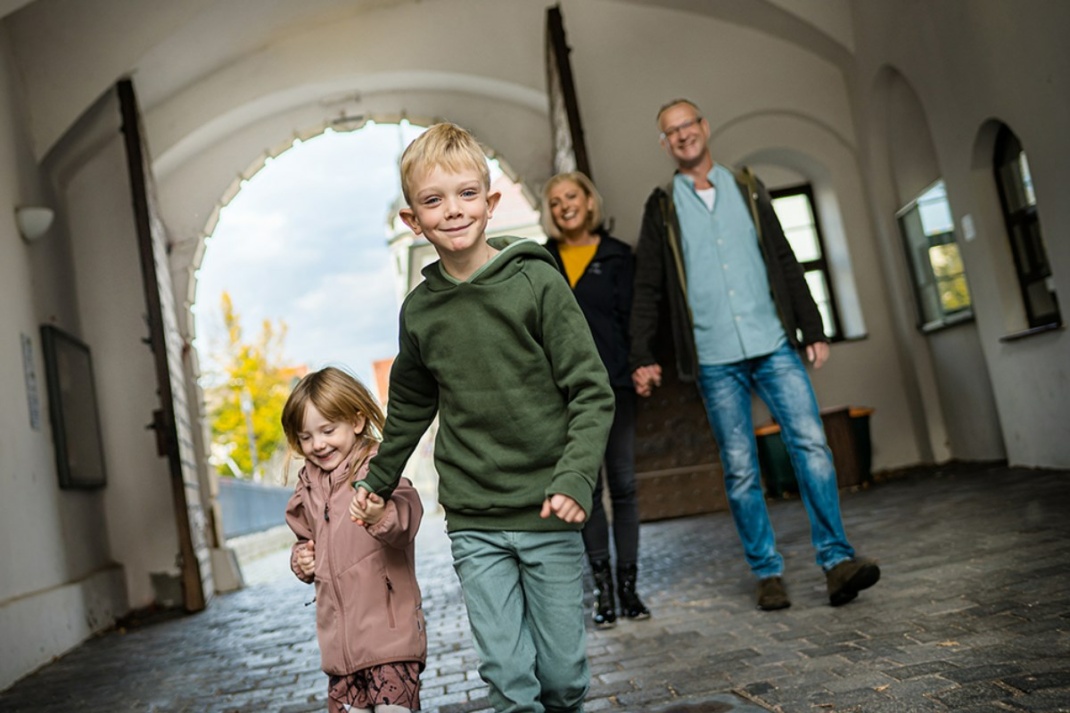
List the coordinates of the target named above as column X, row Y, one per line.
column 968, row 230
column 32, row 398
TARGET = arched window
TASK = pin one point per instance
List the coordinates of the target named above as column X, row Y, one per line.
column 939, row 274
column 1019, row 204
column 797, row 214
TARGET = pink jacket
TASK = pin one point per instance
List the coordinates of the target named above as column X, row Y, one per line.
column 368, row 605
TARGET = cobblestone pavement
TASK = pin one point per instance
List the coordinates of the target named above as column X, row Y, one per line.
column 972, row 614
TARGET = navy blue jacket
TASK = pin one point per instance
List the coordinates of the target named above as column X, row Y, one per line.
column 604, row 293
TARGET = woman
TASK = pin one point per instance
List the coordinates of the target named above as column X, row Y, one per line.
column 599, row 268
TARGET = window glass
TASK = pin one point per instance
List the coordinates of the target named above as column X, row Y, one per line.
column 795, row 210
column 1019, row 203
column 941, row 290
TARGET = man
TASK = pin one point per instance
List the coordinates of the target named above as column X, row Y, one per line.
column 712, row 248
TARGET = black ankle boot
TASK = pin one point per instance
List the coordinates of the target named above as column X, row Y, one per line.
column 630, row 605
column 605, row 609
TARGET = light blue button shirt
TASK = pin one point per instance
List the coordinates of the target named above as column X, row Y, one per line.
column 727, row 286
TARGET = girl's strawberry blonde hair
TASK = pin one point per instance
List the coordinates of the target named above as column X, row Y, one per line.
column 445, row 146
column 337, row 395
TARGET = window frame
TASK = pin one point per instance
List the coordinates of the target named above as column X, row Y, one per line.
column 821, row 263
column 946, row 319
column 1023, row 221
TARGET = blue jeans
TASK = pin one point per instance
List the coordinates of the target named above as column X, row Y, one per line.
column 524, row 594
column 780, row 379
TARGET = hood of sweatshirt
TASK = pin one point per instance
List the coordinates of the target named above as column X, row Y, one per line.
column 513, row 253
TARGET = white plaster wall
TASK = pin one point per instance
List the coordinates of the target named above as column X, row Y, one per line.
column 206, row 133
column 961, row 415
column 833, row 17
column 60, row 584
column 970, row 61
column 98, row 40
column 830, row 165
column 140, row 517
column 798, row 119
column 629, row 59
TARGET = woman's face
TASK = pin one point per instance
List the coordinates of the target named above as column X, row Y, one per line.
column 570, row 207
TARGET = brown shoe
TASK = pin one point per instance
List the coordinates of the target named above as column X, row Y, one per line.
column 772, row 594
column 848, row 578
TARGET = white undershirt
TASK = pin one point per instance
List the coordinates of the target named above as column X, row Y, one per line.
column 708, row 195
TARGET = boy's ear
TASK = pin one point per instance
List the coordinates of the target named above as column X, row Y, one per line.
column 492, row 202
column 408, row 217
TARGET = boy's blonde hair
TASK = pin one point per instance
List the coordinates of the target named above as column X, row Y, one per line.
column 594, row 217
column 337, row 395
column 445, row 146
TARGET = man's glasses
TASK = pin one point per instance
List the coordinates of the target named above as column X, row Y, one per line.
column 683, row 126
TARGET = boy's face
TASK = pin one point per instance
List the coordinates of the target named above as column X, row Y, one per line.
column 451, row 210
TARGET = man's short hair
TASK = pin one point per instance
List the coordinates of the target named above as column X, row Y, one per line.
column 674, row 102
column 445, row 146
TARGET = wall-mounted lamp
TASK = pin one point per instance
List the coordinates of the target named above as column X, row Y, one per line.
column 33, row 221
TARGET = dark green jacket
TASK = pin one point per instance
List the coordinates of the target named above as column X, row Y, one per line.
column 507, row 362
column 660, row 275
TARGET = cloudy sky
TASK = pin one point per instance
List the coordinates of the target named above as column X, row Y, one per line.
column 304, row 242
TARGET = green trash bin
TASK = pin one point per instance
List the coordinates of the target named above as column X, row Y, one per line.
column 847, row 431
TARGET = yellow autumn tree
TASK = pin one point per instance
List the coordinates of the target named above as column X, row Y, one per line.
column 246, row 397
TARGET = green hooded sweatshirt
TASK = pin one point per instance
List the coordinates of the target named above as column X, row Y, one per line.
column 508, row 363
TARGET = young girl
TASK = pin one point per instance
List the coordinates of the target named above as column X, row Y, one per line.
column 369, row 616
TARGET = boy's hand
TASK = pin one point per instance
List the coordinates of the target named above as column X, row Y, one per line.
column 564, row 507
column 306, row 558
column 368, row 513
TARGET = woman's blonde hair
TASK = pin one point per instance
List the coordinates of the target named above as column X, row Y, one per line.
column 445, row 146
column 594, row 216
column 339, row 396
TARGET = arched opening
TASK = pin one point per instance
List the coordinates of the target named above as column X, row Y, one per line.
column 310, row 254
column 954, row 384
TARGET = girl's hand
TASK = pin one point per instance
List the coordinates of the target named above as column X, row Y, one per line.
column 564, row 507
column 370, row 511
column 306, row 558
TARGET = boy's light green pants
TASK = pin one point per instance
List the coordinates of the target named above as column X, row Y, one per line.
column 524, row 593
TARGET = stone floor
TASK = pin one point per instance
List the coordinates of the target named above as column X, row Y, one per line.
column 972, row 614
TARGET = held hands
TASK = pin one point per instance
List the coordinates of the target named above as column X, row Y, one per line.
column 646, row 378
column 817, row 353
column 306, row 559
column 366, row 508
column 564, row 507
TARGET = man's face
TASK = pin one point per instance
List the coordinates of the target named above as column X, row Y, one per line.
column 684, row 135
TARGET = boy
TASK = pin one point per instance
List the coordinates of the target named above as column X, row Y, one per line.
column 495, row 343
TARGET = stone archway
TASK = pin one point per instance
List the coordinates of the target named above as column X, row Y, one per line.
column 517, row 215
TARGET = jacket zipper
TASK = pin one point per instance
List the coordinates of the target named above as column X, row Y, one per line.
column 334, row 579
column 390, row 603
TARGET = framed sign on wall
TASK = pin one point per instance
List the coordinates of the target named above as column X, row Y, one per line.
column 72, row 409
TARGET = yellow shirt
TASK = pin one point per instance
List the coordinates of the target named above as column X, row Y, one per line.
column 576, row 258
